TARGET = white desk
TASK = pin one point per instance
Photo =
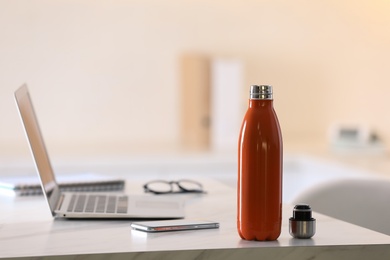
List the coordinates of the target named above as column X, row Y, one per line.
column 28, row 230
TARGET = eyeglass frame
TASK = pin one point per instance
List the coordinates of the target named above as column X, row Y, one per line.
column 171, row 183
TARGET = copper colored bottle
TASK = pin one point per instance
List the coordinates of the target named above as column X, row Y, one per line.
column 260, row 159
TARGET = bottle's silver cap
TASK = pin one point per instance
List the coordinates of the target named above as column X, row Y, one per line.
column 302, row 229
column 260, row 92
column 302, row 225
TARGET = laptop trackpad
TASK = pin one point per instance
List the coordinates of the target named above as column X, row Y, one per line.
column 156, row 206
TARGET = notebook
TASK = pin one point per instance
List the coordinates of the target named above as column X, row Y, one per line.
column 29, row 185
column 87, row 204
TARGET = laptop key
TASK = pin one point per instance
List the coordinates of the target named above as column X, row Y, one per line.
column 80, row 203
column 111, row 205
column 71, row 203
column 91, row 203
column 122, row 204
column 101, row 204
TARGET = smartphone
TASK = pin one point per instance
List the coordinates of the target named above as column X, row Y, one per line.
column 173, row 225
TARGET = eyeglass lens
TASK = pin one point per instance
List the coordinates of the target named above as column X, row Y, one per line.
column 189, row 185
column 159, row 186
column 168, row 187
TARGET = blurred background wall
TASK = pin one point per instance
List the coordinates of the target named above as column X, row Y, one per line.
column 106, row 75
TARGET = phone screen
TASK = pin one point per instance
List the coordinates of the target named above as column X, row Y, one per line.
column 173, row 225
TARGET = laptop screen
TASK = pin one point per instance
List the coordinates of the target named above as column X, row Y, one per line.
column 37, row 146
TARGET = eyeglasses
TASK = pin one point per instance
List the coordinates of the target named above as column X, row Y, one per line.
column 166, row 187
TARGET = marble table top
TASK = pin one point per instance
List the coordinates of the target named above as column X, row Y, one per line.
column 27, row 229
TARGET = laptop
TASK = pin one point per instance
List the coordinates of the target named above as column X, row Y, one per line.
column 87, row 204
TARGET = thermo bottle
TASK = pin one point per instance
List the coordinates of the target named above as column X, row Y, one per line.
column 260, row 166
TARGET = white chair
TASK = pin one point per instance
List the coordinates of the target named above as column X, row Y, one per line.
column 364, row 202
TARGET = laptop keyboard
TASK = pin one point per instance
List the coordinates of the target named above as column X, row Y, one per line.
column 98, row 203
